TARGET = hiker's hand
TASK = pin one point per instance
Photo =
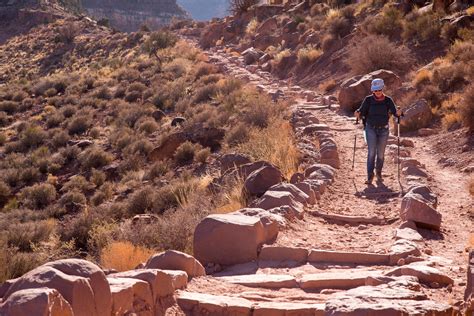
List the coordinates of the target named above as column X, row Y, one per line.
column 399, row 112
column 357, row 114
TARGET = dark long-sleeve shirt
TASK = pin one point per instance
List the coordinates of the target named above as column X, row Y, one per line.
column 376, row 112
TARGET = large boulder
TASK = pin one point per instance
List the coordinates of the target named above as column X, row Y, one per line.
column 251, row 55
column 131, row 297
column 268, row 26
column 354, row 90
column 76, row 290
column 176, row 260
column 416, row 209
column 417, row 115
column 322, row 172
column 275, row 199
column 40, row 301
column 259, row 181
column 97, row 280
column 298, row 194
column 228, row 239
column 271, row 222
column 232, row 160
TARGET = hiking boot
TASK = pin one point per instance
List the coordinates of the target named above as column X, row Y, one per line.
column 379, row 176
column 369, row 180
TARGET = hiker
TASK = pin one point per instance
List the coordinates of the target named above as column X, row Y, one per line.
column 375, row 111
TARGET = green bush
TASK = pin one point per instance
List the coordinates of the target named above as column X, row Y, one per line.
column 38, row 196
column 389, row 23
column 157, row 41
column 426, row 27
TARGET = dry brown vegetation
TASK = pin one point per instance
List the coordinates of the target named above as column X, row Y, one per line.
column 77, row 137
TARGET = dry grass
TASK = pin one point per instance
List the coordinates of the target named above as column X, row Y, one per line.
column 451, row 121
column 422, row 77
column 123, row 255
column 327, row 86
column 233, row 197
column 308, row 55
column 275, row 144
column 252, row 27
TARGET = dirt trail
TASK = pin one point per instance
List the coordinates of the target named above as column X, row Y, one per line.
column 381, row 201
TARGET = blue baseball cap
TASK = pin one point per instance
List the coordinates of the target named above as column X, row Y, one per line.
column 377, row 84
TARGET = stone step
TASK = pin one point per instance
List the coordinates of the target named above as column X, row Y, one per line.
column 336, row 280
column 207, row 304
column 344, row 257
column 269, row 281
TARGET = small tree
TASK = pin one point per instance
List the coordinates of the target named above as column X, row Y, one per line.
column 157, row 41
column 240, row 6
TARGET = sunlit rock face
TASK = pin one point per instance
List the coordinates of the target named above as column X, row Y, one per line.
column 129, row 15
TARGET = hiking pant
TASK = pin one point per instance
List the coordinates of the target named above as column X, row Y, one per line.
column 376, row 142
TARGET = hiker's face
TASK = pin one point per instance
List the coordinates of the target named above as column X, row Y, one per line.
column 378, row 92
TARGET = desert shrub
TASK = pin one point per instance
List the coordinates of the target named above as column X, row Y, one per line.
column 327, row 86
column 226, row 86
column 202, row 155
column 466, row 107
column 328, row 42
column 77, row 183
column 461, row 51
column 259, row 111
column 103, row 93
column 94, row 132
column 4, row 119
column 95, row 157
column 308, row 55
column 98, row 198
column 451, row 121
column 132, row 96
column 148, row 126
column 68, row 111
column 59, row 83
column 123, row 255
column 67, row 33
column 422, row 77
column 51, row 92
column 240, row 6
column 237, row 135
column 376, row 52
column 73, row 201
column 26, row 104
column 205, row 69
column 205, row 93
column 70, row 153
column 449, row 32
column 32, row 137
column 141, row 201
column 252, row 27
column 14, row 264
column 20, row 96
column 158, row 169
column 174, row 194
column 338, row 26
column 77, row 229
column 319, row 9
column 54, row 120
column 137, row 86
column 450, row 78
column 29, row 175
column 432, row 95
column 38, row 196
column 98, row 177
column 184, row 154
column 426, row 27
column 120, row 92
column 157, row 41
column 127, row 74
column 5, row 192
column 78, row 125
column 3, row 139
column 60, row 139
column 140, row 147
column 23, row 235
column 389, row 22
column 9, row 107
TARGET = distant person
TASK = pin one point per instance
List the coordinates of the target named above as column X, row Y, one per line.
column 375, row 112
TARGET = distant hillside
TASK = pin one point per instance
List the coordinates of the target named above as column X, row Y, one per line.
column 205, row 10
column 128, row 16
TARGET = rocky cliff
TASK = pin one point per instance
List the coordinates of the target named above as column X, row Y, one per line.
column 207, row 10
column 128, row 16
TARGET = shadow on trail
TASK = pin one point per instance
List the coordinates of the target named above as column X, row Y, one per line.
column 430, row 234
column 378, row 192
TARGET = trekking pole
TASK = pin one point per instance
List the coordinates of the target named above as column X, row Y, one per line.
column 398, row 150
column 355, row 145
